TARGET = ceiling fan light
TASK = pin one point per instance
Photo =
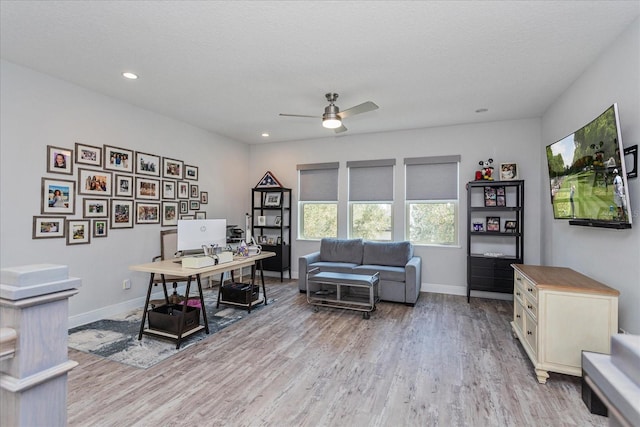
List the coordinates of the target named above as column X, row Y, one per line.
column 332, row 123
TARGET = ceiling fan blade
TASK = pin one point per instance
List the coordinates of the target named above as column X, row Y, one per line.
column 340, row 129
column 358, row 109
column 300, row 115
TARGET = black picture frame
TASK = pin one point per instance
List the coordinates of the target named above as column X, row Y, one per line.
column 510, row 226
column 493, row 224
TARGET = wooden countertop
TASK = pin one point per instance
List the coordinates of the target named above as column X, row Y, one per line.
column 170, row 267
column 562, row 279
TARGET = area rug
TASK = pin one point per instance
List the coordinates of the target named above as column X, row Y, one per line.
column 116, row 338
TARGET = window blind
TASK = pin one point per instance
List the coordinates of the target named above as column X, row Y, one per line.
column 432, row 178
column 318, row 182
column 371, row 180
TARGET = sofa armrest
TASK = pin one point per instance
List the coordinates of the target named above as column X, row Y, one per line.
column 303, row 267
column 413, row 279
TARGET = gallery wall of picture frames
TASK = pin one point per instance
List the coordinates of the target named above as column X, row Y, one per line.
column 113, row 188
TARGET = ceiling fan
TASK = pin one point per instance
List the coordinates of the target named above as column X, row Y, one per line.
column 332, row 117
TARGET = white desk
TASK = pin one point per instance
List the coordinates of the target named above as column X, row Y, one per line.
column 172, row 268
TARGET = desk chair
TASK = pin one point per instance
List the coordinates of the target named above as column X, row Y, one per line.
column 168, row 250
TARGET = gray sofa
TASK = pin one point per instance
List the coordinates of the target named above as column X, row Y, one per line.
column 400, row 271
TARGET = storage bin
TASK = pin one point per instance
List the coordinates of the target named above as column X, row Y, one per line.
column 240, row 293
column 166, row 318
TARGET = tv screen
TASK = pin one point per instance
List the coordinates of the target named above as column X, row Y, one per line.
column 587, row 174
column 193, row 233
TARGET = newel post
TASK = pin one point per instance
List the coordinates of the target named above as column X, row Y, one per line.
column 34, row 302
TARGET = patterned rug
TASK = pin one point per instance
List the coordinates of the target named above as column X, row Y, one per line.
column 117, row 338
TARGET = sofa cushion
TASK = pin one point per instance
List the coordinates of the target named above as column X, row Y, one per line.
column 340, row 250
column 387, row 253
column 388, row 273
column 338, row 267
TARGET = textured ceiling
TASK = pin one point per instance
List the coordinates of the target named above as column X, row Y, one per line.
column 232, row 66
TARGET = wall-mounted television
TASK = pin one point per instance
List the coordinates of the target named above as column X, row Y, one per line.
column 588, row 177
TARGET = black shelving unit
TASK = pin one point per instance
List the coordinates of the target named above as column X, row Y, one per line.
column 490, row 253
column 278, row 235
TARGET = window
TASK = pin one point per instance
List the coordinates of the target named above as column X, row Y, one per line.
column 318, row 200
column 371, row 199
column 432, row 200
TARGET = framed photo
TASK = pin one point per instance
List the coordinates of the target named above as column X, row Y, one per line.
column 268, row 180
column 59, row 160
column 94, row 182
column 95, row 208
column 508, row 171
column 478, row 226
column 172, row 168
column 88, row 155
column 184, row 207
column 279, row 240
column 201, row 215
column 124, row 186
column 58, row 196
column 100, row 227
column 48, row 227
column 183, row 190
column 78, row 231
column 262, row 220
column 195, row 193
column 270, row 241
column 194, row 205
column 262, row 240
column 278, row 221
column 147, row 164
column 489, row 196
column 501, row 200
column 187, row 217
column 118, row 159
column 147, row 213
column 204, row 197
column 510, row 226
column 191, row 172
column 168, row 189
column 272, row 200
column 169, row 213
column 121, row 214
column 493, row 223
column 147, row 189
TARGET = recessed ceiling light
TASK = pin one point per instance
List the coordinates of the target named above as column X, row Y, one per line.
column 128, row 75
column 265, row 134
column 482, row 110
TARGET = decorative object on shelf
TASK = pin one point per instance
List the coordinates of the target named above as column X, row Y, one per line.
column 58, row 196
column 270, row 241
column 486, row 170
column 147, row 164
column 279, row 240
column 478, row 226
column 100, row 228
column 493, row 223
column 510, row 226
column 48, row 227
column 78, row 231
column 60, row 160
column 501, row 199
column 508, row 171
column 268, row 181
column 278, row 221
column 272, row 200
column 262, row 220
column 489, row 196
column 88, row 155
column 118, row 159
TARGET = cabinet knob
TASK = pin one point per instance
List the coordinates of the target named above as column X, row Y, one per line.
column 529, row 333
column 518, row 293
column 518, row 278
column 530, row 289
column 529, row 306
column 517, row 316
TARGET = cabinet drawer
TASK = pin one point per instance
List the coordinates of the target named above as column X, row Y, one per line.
column 528, row 287
column 531, row 333
column 531, row 307
column 518, row 316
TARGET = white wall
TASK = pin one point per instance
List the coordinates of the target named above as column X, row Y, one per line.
column 444, row 269
column 38, row 110
column 609, row 256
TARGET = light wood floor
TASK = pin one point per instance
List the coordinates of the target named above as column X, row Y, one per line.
column 441, row 363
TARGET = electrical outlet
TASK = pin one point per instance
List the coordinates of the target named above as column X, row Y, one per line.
column 126, row 284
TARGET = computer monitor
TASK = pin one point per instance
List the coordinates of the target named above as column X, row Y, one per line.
column 193, row 233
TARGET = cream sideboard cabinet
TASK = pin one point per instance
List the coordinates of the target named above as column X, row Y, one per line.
column 557, row 313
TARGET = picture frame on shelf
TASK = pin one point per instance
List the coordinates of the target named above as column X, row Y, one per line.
column 493, row 223
column 48, row 227
column 147, row 164
column 270, row 241
column 478, row 226
column 262, row 240
column 78, row 231
column 59, row 160
column 147, row 213
column 169, row 214
column 94, row 182
column 262, row 220
column 88, row 155
column 147, row 188
column 191, row 172
column 121, row 214
column 501, row 200
column 268, row 180
column 118, row 159
column 172, row 168
column 201, row 215
column 95, row 208
column 168, row 189
column 272, row 200
column 58, row 196
column 489, row 196
column 100, row 227
column 510, row 226
column 279, row 240
column 123, row 186
column 508, row 171
column 278, row 221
